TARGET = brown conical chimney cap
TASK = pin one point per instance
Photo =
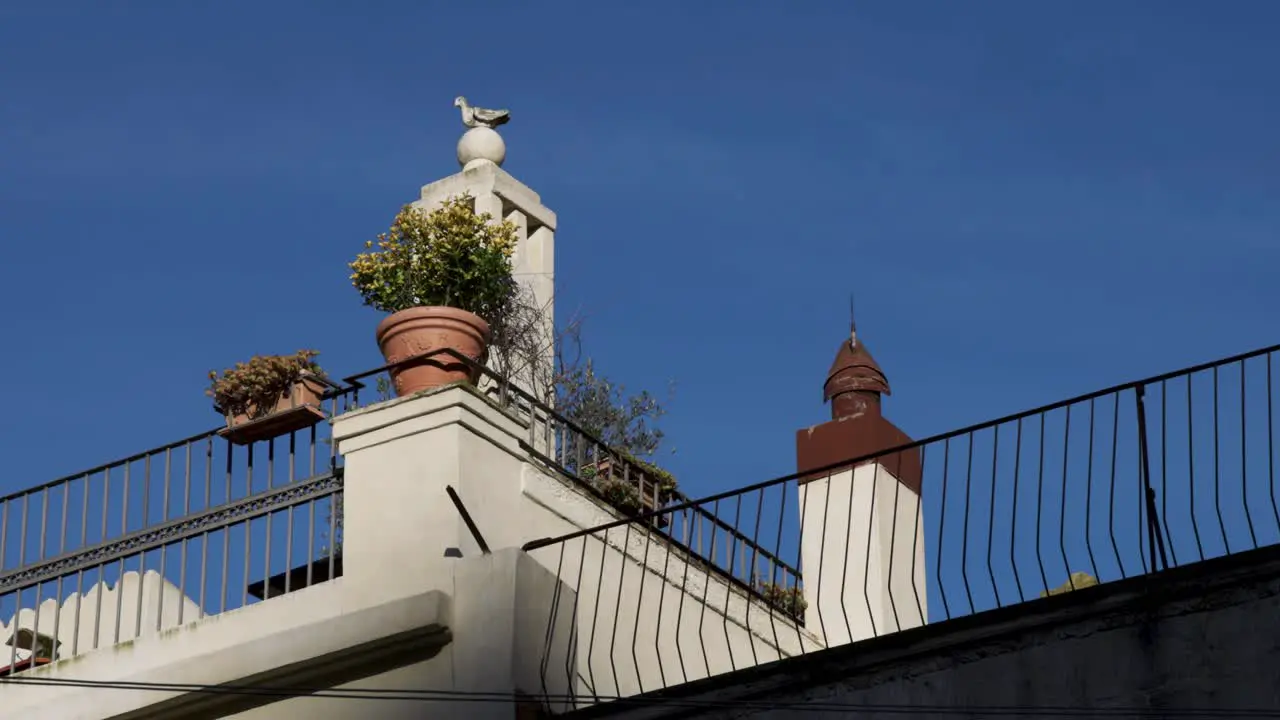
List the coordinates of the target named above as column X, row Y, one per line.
column 854, row 370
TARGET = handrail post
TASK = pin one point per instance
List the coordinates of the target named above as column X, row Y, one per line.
column 1155, row 539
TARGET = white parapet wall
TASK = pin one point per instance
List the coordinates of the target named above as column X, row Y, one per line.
column 648, row 613
column 105, row 615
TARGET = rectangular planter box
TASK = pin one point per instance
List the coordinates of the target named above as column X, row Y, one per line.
column 297, row 409
column 21, row 665
column 605, row 469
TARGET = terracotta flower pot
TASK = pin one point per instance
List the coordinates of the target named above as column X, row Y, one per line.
column 422, row 330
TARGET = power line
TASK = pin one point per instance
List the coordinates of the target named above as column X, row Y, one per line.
column 640, row 701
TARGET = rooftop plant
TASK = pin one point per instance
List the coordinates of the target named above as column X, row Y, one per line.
column 789, row 600
column 450, row 256
column 252, row 388
column 665, row 481
column 626, row 423
column 621, row 494
column 1075, row 581
column 558, row 373
column 622, row 421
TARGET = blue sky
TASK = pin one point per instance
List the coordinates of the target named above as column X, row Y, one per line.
column 1028, row 202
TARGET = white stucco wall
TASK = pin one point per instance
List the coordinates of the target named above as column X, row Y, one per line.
column 433, row 674
column 229, row 648
column 642, row 607
column 480, row 631
column 648, row 614
column 497, row 624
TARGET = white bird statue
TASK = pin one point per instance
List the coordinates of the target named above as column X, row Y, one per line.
column 474, row 117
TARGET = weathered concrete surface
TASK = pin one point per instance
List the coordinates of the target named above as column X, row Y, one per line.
column 1204, row 637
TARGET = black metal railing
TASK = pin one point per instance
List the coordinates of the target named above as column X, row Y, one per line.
column 1125, row 481
column 1120, row 482
column 192, row 528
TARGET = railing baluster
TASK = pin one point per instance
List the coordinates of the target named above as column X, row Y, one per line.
column 124, row 528
column 142, row 556
column 186, row 510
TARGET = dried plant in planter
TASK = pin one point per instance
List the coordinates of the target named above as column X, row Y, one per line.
column 265, row 384
column 789, row 600
column 620, row 494
column 641, row 476
column 666, row 481
column 653, row 474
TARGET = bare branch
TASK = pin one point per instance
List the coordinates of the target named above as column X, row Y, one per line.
column 525, row 348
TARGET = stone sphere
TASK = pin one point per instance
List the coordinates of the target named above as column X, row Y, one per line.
column 480, row 145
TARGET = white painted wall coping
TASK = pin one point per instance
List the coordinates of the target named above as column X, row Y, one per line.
column 305, row 627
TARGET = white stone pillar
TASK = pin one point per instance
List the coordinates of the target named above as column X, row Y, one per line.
column 862, row 555
column 399, row 456
column 537, row 270
column 502, row 196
